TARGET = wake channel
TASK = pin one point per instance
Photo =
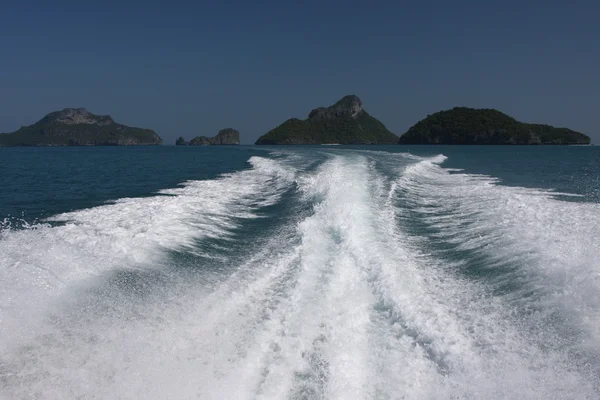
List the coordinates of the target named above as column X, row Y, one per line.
column 355, row 297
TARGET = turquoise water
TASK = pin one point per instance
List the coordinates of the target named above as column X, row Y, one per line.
column 300, row 272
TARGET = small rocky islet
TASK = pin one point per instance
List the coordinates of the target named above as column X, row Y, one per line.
column 345, row 122
column 225, row 136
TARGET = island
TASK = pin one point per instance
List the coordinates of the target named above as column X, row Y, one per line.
column 79, row 127
column 463, row 125
column 225, row 136
column 345, row 122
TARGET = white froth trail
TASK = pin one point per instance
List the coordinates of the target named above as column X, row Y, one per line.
column 296, row 324
column 395, row 322
column 345, row 304
column 321, row 334
column 555, row 243
column 38, row 264
column 362, row 313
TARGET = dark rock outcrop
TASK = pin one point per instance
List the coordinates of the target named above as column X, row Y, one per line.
column 345, row 122
column 225, row 136
column 200, row 141
column 79, row 127
column 462, row 125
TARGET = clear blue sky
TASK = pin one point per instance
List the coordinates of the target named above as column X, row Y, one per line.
column 190, row 70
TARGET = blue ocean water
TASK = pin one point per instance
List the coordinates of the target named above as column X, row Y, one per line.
column 300, row 272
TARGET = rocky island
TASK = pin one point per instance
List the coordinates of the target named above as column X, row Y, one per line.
column 79, row 127
column 345, row 122
column 462, row 125
column 224, row 137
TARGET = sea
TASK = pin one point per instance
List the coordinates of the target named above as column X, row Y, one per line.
column 300, row 272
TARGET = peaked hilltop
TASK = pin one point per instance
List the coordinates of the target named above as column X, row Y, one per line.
column 79, row 127
column 345, row 122
column 463, row 125
column 225, row 136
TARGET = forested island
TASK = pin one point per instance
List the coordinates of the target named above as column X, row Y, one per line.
column 345, row 122
column 463, row 125
column 79, row 127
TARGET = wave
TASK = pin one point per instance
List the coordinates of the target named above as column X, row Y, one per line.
column 538, row 253
column 367, row 294
column 39, row 263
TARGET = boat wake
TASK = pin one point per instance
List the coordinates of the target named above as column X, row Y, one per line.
column 368, row 275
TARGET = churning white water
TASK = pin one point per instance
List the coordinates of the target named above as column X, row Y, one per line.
column 367, row 276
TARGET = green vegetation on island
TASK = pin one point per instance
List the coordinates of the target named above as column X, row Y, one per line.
column 345, row 122
column 462, row 125
column 79, row 127
column 225, row 136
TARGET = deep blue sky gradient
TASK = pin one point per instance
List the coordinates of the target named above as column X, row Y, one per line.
column 189, row 70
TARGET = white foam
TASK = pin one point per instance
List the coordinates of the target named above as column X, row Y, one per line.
column 345, row 304
column 372, row 316
column 39, row 263
column 555, row 241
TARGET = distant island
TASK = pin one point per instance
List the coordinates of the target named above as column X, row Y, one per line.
column 224, row 137
column 79, row 127
column 345, row 122
column 462, row 125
